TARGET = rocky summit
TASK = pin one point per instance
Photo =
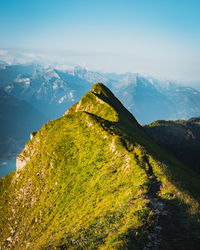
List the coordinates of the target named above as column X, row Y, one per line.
column 94, row 179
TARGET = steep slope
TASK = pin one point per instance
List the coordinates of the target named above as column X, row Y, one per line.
column 181, row 138
column 17, row 120
column 94, row 179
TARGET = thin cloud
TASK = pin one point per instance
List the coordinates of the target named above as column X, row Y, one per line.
column 3, row 52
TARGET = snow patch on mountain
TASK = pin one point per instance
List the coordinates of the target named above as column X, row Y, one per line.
column 62, row 99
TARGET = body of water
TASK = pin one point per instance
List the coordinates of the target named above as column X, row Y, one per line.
column 7, row 167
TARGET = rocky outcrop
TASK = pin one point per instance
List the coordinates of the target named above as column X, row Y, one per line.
column 21, row 159
column 27, row 153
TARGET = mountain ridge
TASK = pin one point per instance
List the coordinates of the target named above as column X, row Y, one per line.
column 105, row 97
column 94, row 183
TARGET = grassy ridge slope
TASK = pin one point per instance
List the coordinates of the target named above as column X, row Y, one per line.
column 94, row 179
column 181, row 138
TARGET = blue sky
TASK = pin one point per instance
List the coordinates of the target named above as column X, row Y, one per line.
column 158, row 37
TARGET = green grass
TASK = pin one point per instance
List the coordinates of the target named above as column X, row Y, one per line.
column 88, row 184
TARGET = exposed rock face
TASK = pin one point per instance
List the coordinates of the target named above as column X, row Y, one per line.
column 20, row 163
column 27, row 153
column 32, row 135
column 21, row 159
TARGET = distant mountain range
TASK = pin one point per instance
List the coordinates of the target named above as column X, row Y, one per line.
column 150, row 99
column 53, row 90
column 48, row 90
column 8, row 73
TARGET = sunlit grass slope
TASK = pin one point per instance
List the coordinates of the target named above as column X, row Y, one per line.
column 94, row 179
